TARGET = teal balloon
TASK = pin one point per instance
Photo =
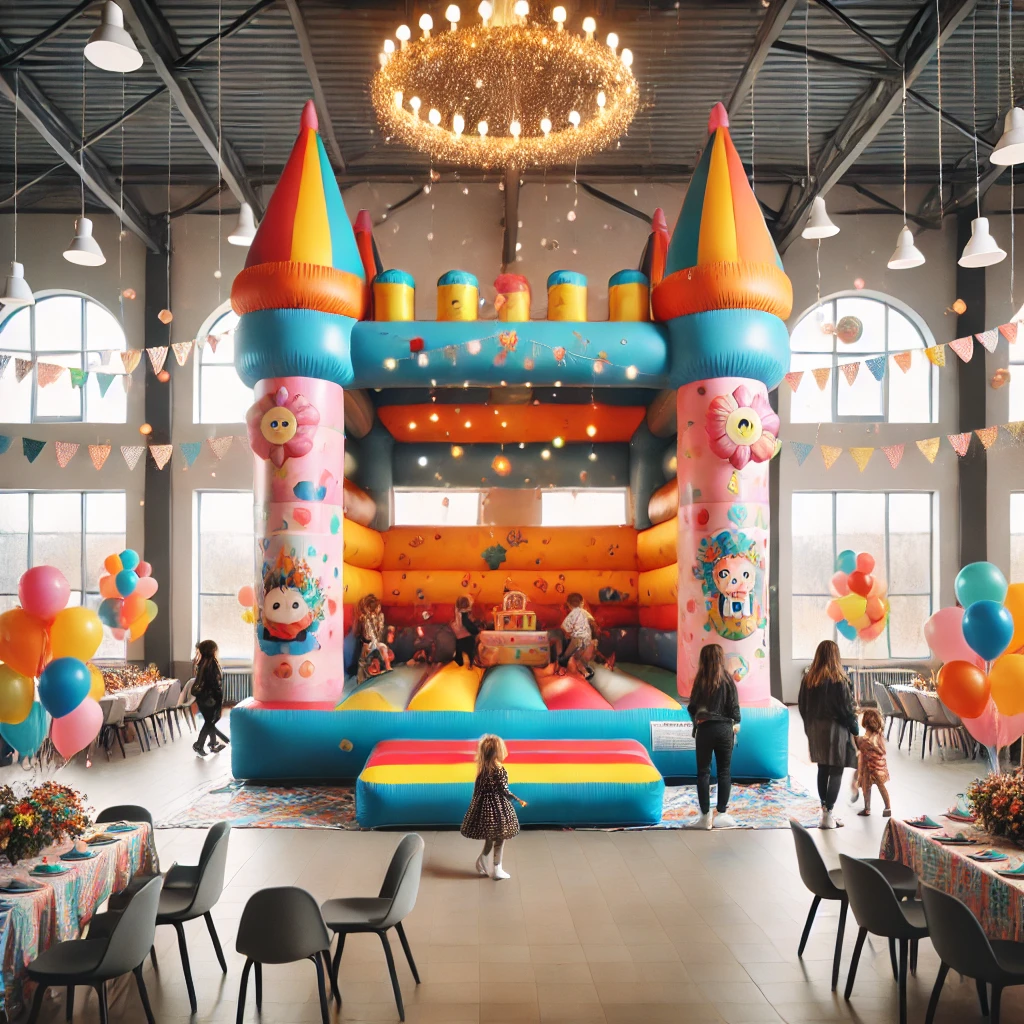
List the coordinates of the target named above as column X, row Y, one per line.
column 27, row 737
column 64, row 684
column 988, row 628
column 126, row 581
column 846, row 561
column 846, row 630
column 109, row 612
column 980, row 581
column 129, row 558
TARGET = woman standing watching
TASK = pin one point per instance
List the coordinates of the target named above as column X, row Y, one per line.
column 830, row 722
column 715, row 712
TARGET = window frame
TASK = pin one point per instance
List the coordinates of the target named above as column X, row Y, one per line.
column 578, row 491
column 445, row 492
column 1020, row 496
column 197, row 393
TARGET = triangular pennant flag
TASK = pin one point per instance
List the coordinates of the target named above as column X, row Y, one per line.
column 830, row 453
column 22, row 368
column 801, row 449
column 936, row 354
column 126, row 382
column 1008, row 331
column 5, row 443
column 130, row 359
column 4, row 363
column 963, row 347
column 131, row 453
column 902, row 360
column 49, row 373
column 78, row 377
column 988, row 436
column 793, row 379
column 990, row 338
column 960, row 442
column 191, row 450
column 894, row 453
column 862, row 456
column 31, row 448
column 65, row 452
column 850, row 371
column 821, row 376
column 1016, row 429
column 161, row 454
column 157, row 357
column 220, row 445
column 929, row 447
column 213, row 340
column 104, row 380
column 181, row 351
column 98, row 453
column 876, row 366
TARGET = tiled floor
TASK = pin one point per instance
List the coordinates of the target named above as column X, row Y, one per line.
column 593, row 926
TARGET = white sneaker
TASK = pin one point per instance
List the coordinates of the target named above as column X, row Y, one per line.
column 481, row 866
column 498, row 873
column 829, row 820
column 724, row 820
column 701, row 823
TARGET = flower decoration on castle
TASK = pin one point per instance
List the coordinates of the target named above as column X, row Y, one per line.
column 742, row 427
column 516, row 93
column 281, row 426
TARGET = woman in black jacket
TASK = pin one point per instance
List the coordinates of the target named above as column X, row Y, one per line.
column 209, row 693
column 830, row 722
column 715, row 712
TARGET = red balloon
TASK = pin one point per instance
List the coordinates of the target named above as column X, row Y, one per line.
column 860, row 583
column 143, row 569
column 865, row 563
column 964, row 688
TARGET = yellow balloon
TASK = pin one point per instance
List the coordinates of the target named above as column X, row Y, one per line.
column 16, row 696
column 1015, row 606
column 76, row 633
column 853, row 606
column 97, row 687
column 1007, row 679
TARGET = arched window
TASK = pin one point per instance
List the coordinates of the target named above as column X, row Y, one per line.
column 854, row 327
column 65, row 329
column 220, row 395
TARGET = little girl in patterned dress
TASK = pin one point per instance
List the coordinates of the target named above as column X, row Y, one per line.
column 491, row 816
column 872, row 765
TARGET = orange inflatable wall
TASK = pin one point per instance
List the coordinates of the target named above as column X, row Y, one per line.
column 659, row 586
column 363, row 547
column 359, row 582
column 657, row 546
column 359, row 506
column 664, row 503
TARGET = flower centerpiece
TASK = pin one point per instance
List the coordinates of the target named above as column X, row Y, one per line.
column 33, row 819
column 998, row 803
column 127, row 676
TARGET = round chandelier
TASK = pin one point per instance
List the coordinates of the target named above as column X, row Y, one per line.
column 506, row 92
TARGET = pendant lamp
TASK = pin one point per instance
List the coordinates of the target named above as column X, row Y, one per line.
column 819, row 224
column 110, row 47
column 16, row 289
column 1010, row 147
column 84, row 249
column 907, row 255
column 245, row 230
column 982, row 250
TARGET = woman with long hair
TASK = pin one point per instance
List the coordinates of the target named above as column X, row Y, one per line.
column 830, row 722
column 714, row 709
column 209, row 692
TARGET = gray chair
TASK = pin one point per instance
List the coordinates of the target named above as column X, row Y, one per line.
column 878, row 911
column 124, row 812
column 186, row 706
column 826, row 884
column 387, row 910
column 120, row 949
column 113, row 709
column 887, row 707
column 282, row 926
column 142, row 714
column 168, row 705
column 964, row 947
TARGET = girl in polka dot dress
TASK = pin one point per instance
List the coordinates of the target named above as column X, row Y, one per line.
column 491, row 816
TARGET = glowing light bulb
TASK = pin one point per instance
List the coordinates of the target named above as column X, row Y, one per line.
column 423, row 359
column 422, row 460
column 558, row 17
column 515, row 129
column 426, row 23
column 485, row 10
column 452, row 15
column 434, row 417
column 590, row 27
column 390, row 364
column 415, row 103
column 412, row 424
column 601, row 100
column 574, row 118
column 467, row 424
column 398, row 98
column 458, row 124
column 612, row 41
column 482, row 128
column 389, row 46
column 434, row 117
column 545, row 125
column 591, row 430
column 521, row 8
column 403, row 34
column 627, row 57
column 456, row 451
column 592, row 456
column 545, row 454
column 631, row 372
column 558, row 442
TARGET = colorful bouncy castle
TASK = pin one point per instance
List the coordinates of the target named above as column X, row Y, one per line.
column 669, row 396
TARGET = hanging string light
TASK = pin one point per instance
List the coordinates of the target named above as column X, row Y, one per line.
column 84, row 250
column 16, row 289
column 1010, row 147
column 907, row 255
column 819, row 225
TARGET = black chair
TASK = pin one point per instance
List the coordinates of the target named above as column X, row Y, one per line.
column 964, row 947
column 879, row 911
column 282, row 926
column 826, row 884
column 121, row 949
column 387, row 910
column 124, row 812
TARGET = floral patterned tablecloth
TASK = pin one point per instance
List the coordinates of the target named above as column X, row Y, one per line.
column 31, row 923
column 997, row 902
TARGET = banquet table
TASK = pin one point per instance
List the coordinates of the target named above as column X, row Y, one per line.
column 997, row 902
column 31, row 922
column 132, row 695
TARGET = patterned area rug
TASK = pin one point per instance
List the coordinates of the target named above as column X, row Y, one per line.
column 762, row 805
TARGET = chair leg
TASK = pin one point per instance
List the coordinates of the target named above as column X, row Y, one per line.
column 893, row 961
column 214, row 938
column 933, row 1003
column 394, row 976
column 336, row 966
column 101, row 995
column 837, row 958
column 924, row 739
column 997, row 995
column 69, row 1004
column 851, row 977
column 258, row 971
column 904, row 956
column 913, row 956
column 186, row 968
column 143, row 994
column 152, row 957
column 807, row 926
column 241, row 991
column 321, row 990
column 335, row 992
column 982, row 997
column 120, row 741
column 408, row 952
column 37, row 1004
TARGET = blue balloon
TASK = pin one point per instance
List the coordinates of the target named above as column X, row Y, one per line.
column 846, row 630
column 129, row 558
column 980, row 581
column 988, row 628
column 63, row 685
column 108, row 612
column 27, row 737
column 126, row 581
column 846, row 561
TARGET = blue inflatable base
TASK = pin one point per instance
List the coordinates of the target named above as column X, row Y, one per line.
column 275, row 745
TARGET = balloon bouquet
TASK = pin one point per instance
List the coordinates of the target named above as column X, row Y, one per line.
column 982, row 678
column 859, row 607
column 127, row 588
column 43, row 638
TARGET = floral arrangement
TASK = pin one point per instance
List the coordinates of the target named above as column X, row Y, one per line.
column 998, row 803
column 127, row 676
column 33, row 819
column 927, row 684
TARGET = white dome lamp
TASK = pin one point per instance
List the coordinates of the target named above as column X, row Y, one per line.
column 982, row 250
column 84, row 249
column 1010, row 147
column 245, row 230
column 16, row 289
column 907, row 255
column 819, row 224
column 110, row 47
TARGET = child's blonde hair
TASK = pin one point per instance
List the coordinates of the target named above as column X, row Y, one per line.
column 464, row 603
column 491, row 750
column 368, row 604
column 872, row 720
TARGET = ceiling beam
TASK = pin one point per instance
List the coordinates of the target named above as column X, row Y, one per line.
column 953, row 122
column 823, row 57
column 158, row 40
column 872, row 109
column 859, row 30
column 323, row 111
column 20, row 53
column 768, row 32
column 226, row 33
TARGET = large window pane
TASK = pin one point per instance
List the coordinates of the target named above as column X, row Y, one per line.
column 809, row 404
column 220, row 619
column 860, row 522
column 13, row 540
column 910, row 543
column 910, row 393
column 864, row 397
column 812, row 543
column 59, row 324
column 583, row 508
column 60, row 400
column 907, row 616
column 437, row 508
column 226, row 558
column 221, row 397
column 810, row 625
column 57, row 533
column 102, row 330
column 1016, row 538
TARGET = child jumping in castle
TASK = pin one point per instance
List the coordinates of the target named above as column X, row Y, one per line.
column 579, row 636
column 374, row 655
column 465, row 628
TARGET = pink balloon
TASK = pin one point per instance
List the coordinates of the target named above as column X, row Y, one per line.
column 993, row 729
column 43, row 592
column 143, row 569
column 108, row 588
column 247, row 597
column 944, row 634
column 872, row 632
column 118, row 634
column 865, row 563
column 834, row 612
column 147, row 587
column 840, row 584
column 75, row 731
column 878, row 587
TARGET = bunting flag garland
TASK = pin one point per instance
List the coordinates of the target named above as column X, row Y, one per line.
column 5, row 361
column 220, row 445
column 894, row 453
column 126, row 382
column 190, row 450
column 862, row 456
column 1008, row 331
column 793, row 379
column 960, row 442
column 801, row 450
column 65, row 452
column 99, row 453
column 877, row 367
column 902, row 360
column 131, row 453
column 5, row 443
column 104, row 380
column 161, row 454
column 963, row 347
column 22, row 368
column 130, row 360
column 936, row 355
column 78, row 377
column 821, row 376
column 157, row 357
column 31, row 448
column 830, row 453
column 929, row 447
column 48, row 373
column 1016, row 429
column 990, row 338
column 181, row 351
column 850, row 371
column 213, row 340
column 988, row 436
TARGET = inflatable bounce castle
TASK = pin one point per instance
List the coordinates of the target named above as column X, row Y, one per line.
column 702, row 326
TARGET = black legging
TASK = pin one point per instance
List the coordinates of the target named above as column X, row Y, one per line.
column 211, row 716
column 465, row 647
column 714, row 738
column 830, row 779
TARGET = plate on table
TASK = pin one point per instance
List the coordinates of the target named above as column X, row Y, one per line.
column 121, row 826
column 959, row 840
column 923, row 822
column 101, row 840
column 49, row 870
column 988, row 856
column 79, row 855
column 17, row 888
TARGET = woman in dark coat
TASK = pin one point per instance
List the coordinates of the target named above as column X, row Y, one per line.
column 830, row 722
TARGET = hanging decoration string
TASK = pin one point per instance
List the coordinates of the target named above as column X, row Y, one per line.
column 167, row 240
column 220, row 153
column 904, row 111
column 753, row 138
column 120, row 205
column 17, row 112
column 974, row 110
column 1013, row 209
column 938, row 34
column 807, row 94
column 81, row 151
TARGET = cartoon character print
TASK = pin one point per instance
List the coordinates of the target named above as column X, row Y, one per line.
column 731, row 574
column 734, row 578
column 292, row 608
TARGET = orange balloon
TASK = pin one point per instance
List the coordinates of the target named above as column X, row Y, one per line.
column 964, row 688
column 22, row 642
column 76, row 633
column 1015, row 606
column 138, row 628
column 108, row 587
column 134, row 606
column 112, row 563
column 1007, row 680
column 875, row 609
